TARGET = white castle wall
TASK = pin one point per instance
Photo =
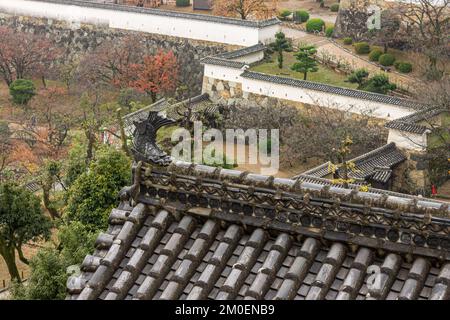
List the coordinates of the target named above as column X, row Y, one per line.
column 223, row 73
column 324, row 99
column 233, row 34
column 407, row 140
column 250, row 58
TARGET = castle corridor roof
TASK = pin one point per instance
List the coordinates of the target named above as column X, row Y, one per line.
column 411, row 123
column 376, row 165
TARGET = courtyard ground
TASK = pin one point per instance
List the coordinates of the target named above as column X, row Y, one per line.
column 24, row 270
column 323, row 75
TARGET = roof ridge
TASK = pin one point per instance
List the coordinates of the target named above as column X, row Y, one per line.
column 280, row 204
column 241, row 51
column 214, row 60
column 396, row 199
column 409, row 123
column 362, row 158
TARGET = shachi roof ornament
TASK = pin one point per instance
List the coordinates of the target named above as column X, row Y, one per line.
column 144, row 146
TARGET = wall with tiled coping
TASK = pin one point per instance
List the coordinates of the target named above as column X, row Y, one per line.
column 216, row 76
column 156, row 21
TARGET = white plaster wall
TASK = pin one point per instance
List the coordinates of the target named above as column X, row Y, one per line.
column 170, row 26
column 324, row 99
column 407, row 140
column 223, row 73
column 267, row 35
column 251, row 58
column 360, row 106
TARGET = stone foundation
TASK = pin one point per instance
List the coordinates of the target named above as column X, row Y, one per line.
column 412, row 175
column 77, row 39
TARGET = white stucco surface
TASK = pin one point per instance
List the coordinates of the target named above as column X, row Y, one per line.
column 233, row 34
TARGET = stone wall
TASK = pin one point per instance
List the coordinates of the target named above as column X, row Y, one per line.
column 353, row 15
column 412, row 175
column 77, row 39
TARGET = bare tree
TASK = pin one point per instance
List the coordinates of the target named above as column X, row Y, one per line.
column 245, row 9
column 311, row 133
column 427, row 27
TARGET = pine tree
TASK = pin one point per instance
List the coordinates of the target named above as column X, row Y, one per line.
column 281, row 44
column 306, row 62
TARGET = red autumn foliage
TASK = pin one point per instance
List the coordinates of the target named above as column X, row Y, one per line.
column 110, row 62
column 157, row 74
column 24, row 55
column 125, row 64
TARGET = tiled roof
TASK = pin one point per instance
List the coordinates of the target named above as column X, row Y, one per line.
column 381, row 175
column 308, row 180
column 242, row 52
column 367, row 165
column 142, row 114
column 199, row 232
column 386, row 156
column 335, row 90
column 32, row 186
column 410, row 123
column 223, row 62
column 168, row 13
column 200, row 103
column 320, row 171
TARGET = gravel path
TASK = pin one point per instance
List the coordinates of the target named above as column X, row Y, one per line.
column 325, row 45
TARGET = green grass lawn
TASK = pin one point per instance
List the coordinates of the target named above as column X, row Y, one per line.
column 324, row 75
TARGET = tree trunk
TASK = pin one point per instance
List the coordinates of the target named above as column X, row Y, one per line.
column 123, row 136
column 280, row 59
column 153, row 96
column 385, row 48
column 345, row 174
column 304, row 75
column 9, row 256
column 90, row 147
column 46, row 197
column 44, row 83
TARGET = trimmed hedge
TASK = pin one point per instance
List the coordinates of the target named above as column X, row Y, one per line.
column 284, row 14
column 375, row 54
column 386, row 59
column 303, row 15
column 183, row 3
column 22, row 90
column 329, row 31
column 315, row 24
column 347, row 40
column 334, row 7
column 362, row 48
column 403, row 67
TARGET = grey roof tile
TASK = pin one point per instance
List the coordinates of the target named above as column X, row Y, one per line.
column 229, row 256
column 90, row 263
column 375, row 165
column 411, row 123
column 104, row 241
column 242, row 52
column 118, row 216
column 223, row 63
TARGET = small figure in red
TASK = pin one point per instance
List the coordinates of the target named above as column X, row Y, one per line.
column 433, row 190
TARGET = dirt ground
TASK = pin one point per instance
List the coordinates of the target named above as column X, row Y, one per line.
column 24, row 270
